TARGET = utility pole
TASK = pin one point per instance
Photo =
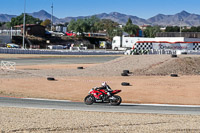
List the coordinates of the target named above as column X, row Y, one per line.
column 180, row 26
column 11, row 33
column 24, row 23
column 52, row 17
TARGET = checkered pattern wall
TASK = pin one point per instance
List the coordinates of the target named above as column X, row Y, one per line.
column 196, row 46
column 143, row 46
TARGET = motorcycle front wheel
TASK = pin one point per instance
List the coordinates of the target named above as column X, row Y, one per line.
column 89, row 100
column 116, row 100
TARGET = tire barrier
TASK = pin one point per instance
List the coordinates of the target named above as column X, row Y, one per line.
column 125, row 84
column 126, row 71
column 79, row 67
column 184, row 53
column 57, row 52
column 173, row 55
column 124, row 74
column 174, row 75
column 50, row 78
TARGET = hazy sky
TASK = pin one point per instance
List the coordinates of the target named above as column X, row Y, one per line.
column 65, row 8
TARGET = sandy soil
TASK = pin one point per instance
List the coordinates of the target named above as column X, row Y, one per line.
column 44, row 121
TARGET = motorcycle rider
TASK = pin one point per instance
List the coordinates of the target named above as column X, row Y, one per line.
column 106, row 87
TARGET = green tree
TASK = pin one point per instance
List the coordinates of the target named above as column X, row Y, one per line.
column 91, row 23
column 72, row 25
column 80, row 25
column 8, row 25
column 84, row 25
column 114, row 32
column 193, row 29
column 169, row 29
column 151, row 31
column 29, row 20
column 94, row 24
column 130, row 28
column 111, row 28
column 46, row 23
column 198, row 29
column 172, row 29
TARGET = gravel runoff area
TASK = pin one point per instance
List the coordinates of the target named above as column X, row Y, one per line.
column 44, row 121
column 110, row 68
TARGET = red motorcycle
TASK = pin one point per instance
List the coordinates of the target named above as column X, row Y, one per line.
column 100, row 96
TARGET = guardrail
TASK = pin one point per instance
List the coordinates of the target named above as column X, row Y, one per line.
column 8, row 65
column 58, row 52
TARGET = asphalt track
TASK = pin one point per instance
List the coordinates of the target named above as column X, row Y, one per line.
column 64, row 60
column 100, row 107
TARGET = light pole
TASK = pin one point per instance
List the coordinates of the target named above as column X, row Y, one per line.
column 24, row 23
column 52, row 17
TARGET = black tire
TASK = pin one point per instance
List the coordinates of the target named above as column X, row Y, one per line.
column 126, row 71
column 50, row 78
column 79, row 67
column 184, row 53
column 117, row 101
column 125, row 84
column 173, row 55
column 89, row 100
column 124, row 74
column 115, row 48
column 174, row 75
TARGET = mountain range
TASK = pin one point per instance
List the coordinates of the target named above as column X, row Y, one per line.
column 183, row 18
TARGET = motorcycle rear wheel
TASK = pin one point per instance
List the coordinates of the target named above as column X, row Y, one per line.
column 117, row 100
column 89, row 100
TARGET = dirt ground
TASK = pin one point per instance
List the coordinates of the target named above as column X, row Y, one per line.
column 18, row 120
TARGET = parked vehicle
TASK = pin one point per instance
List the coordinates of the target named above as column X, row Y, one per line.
column 56, row 33
column 100, row 96
column 70, row 34
column 12, row 45
column 105, row 44
column 55, row 47
column 143, row 43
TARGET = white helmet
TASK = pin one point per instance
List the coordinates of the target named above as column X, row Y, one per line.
column 104, row 84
